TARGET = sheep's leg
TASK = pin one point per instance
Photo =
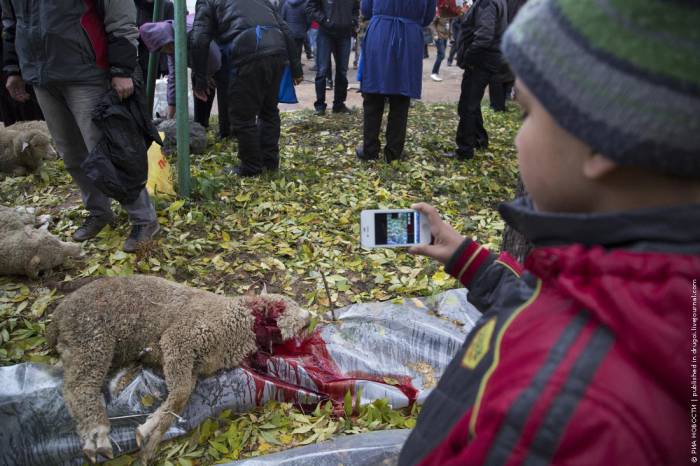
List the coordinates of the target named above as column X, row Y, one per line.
column 82, row 391
column 178, row 364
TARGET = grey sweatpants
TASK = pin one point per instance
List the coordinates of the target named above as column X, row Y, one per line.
column 68, row 111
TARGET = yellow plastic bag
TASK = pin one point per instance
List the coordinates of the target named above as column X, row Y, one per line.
column 160, row 178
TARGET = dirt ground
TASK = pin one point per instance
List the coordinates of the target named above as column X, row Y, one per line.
column 433, row 92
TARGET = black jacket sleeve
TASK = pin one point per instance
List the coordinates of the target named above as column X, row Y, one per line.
column 484, row 31
column 201, row 36
column 119, row 17
column 9, row 53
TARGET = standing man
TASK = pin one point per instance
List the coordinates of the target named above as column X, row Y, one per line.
column 480, row 57
column 337, row 19
column 392, row 71
column 258, row 45
column 73, row 53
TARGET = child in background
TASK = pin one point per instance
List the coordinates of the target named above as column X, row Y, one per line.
column 584, row 355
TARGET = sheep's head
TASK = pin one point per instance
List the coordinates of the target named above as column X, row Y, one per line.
column 277, row 318
column 34, row 146
column 49, row 251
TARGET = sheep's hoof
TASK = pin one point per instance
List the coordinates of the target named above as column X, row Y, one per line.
column 104, row 446
column 90, row 452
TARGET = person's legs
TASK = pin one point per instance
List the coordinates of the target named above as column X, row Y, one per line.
column 269, row 118
column 440, row 44
column 497, row 94
column 323, row 58
column 396, row 127
column 307, row 47
column 341, row 55
column 373, row 105
column 470, row 131
column 64, row 129
column 222, row 88
column 202, row 109
column 246, row 90
column 300, row 47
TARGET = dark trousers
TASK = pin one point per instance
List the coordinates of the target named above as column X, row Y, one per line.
column 440, row 44
column 255, row 119
column 470, row 131
column 497, row 94
column 222, row 79
column 202, row 110
column 300, row 47
column 395, row 129
column 340, row 49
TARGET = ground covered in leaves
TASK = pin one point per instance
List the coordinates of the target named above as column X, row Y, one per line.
column 286, row 231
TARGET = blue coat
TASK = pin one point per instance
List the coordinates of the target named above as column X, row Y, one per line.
column 392, row 54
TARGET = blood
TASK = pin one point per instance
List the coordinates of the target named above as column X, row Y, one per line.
column 312, row 355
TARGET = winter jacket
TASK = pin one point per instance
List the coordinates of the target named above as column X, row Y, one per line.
column 294, row 13
column 157, row 35
column 69, row 41
column 582, row 357
column 247, row 30
column 392, row 52
column 118, row 164
column 336, row 18
column 441, row 26
column 480, row 35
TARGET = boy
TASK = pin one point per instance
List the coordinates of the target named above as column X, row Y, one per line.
column 584, row 357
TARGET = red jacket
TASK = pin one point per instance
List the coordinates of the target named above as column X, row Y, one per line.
column 582, row 358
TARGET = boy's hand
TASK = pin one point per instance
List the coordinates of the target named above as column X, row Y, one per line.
column 202, row 95
column 446, row 239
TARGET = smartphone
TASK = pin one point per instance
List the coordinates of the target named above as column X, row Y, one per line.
column 393, row 228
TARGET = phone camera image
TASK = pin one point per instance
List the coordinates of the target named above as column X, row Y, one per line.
column 395, row 228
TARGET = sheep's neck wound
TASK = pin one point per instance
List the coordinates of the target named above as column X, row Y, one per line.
column 267, row 333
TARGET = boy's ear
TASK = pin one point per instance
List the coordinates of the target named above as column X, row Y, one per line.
column 596, row 166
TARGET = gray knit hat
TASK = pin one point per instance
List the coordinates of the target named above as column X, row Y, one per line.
column 621, row 75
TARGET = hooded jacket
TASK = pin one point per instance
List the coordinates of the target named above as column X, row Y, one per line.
column 68, row 41
column 294, row 13
column 337, row 18
column 247, row 30
column 582, row 357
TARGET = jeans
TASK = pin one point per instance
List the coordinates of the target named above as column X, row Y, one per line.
column 440, row 44
column 255, row 119
column 470, row 131
column 373, row 105
column 497, row 94
column 313, row 36
column 68, row 110
column 340, row 49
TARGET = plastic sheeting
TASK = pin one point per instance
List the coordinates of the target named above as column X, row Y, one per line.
column 393, row 350
column 370, row 449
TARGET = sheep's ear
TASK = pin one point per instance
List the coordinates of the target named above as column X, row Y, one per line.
column 264, row 290
column 33, row 267
column 25, row 144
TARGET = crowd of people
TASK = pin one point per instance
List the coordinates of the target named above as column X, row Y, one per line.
column 583, row 355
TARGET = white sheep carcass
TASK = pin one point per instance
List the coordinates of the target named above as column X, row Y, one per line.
column 119, row 321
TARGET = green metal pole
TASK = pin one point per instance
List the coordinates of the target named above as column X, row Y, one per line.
column 182, row 110
column 153, row 58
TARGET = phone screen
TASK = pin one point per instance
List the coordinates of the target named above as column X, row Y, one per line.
column 396, row 228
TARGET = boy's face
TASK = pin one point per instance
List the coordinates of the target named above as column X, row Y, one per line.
column 551, row 160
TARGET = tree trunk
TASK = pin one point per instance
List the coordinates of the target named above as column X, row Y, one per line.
column 514, row 243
